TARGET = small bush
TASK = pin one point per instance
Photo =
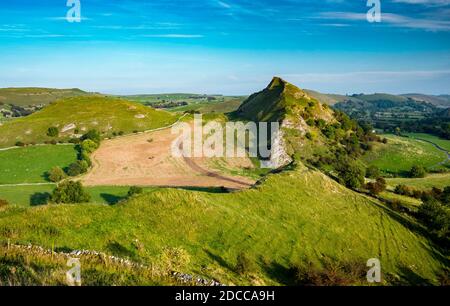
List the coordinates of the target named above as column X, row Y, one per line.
column 52, row 131
column 56, row 174
column 77, row 168
column 372, row 172
column 331, row 274
column 174, row 259
column 3, row 203
column 20, row 144
column 417, row 172
column 93, row 135
column 135, row 190
column 244, row 265
column 377, row 187
column 89, row 146
column 350, row 173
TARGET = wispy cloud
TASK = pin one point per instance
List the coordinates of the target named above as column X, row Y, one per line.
column 173, row 35
column 393, row 19
column 424, row 2
column 65, row 18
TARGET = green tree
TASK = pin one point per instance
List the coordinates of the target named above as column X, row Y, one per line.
column 70, row 192
column 372, row 172
column 436, row 217
column 56, row 174
column 350, row 173
column 77, row 168
column 93, row 135
column 417, row 171
column 52, row 131
column 445, row 196
column 89, row 146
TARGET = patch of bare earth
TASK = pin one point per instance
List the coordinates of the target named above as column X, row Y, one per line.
column 146, row 160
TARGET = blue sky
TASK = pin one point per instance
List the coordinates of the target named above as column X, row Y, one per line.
column 228, row 47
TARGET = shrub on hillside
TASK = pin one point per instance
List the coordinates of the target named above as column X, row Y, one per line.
column 174, row 259
column 77, row 168
column 56, row 174
column 135, row 190
column 20, row 144
column 436, row 217
column 417, row 171
column 332, row 273
column 70, row 192
column 244, row 264
column 52, row 131
column 372, row 172
column 350, row 173
column 377, row 187
column 3, row 203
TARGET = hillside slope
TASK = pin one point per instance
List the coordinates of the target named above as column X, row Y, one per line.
column 28, row 96
column 281, row 101
column 76, row 115
column 296, row 217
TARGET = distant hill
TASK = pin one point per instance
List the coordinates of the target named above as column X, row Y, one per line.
column 440, row 100
column 31, row 96
column 331, row 99
column 76, row 115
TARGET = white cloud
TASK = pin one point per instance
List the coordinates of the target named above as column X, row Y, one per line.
column 223, row 4
column 425, row 2
column 173, row 35
column 394, row 20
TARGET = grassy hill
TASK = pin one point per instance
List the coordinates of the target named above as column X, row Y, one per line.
column 274, row 224
column 281, row 100
column 295, row 218
column 28, row 96
column 440, row 100
column 79, row 114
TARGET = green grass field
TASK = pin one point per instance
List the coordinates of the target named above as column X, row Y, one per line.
column 443, row 143
column 274, row 224
column 401, row 153
column 107, row 115
column 29, row 164
column 26, row 196
column 431, row 180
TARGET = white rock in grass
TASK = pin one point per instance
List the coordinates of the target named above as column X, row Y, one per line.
column 68, row 127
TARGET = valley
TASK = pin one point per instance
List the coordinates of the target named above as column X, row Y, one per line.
column 206, row 216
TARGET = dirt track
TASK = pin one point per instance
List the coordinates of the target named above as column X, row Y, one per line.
column 146, row 160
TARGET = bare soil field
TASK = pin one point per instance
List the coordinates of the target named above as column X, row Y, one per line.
column 146, row 160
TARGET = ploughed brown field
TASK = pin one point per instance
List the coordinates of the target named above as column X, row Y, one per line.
column 146, row 160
